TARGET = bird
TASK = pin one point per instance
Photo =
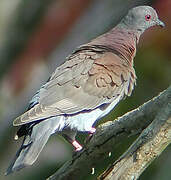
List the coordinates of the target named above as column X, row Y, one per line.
column 86, row 87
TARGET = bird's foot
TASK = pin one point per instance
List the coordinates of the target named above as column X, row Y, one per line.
column 92, row 130
column 77, row 146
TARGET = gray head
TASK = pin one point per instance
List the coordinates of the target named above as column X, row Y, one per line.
column 141, row 18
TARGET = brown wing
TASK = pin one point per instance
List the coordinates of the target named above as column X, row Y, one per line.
column 84, row 82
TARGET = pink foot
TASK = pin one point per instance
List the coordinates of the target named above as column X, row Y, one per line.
column 77, row 146
column 92, row 130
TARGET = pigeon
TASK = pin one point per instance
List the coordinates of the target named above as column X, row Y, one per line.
column 85, row 88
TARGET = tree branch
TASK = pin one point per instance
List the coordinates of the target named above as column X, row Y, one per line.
column 149, row 145
column 109, row 135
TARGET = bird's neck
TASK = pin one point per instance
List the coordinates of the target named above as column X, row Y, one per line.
column 121, row 40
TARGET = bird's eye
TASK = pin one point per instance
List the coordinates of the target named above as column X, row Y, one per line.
column 147, row 17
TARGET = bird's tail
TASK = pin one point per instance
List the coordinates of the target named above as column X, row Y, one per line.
column 33, row 144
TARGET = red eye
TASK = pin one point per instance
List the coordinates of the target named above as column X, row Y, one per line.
column 147, row 17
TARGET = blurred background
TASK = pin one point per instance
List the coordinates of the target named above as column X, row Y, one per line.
column 36, row 36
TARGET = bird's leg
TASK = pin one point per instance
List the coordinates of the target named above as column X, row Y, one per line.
column 91, row 132
column 74, row 143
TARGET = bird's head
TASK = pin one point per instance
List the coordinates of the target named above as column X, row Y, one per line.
column 141, row 18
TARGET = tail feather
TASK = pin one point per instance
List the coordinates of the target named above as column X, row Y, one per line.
column 11, row 167
column 33, row 145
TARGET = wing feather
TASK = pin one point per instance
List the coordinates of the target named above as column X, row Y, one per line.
column 81, row 83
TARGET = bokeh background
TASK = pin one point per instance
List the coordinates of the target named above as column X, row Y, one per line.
column 37, row 35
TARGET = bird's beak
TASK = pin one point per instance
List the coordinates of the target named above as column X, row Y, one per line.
column 160, row 23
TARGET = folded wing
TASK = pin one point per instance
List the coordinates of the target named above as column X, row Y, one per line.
column 89, row 78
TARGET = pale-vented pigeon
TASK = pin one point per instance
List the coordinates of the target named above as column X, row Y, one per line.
column 94, row 78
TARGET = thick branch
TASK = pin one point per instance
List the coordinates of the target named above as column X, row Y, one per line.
column 149, row 145
column 110, row 134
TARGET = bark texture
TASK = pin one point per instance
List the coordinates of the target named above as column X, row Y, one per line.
column 150, row 144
